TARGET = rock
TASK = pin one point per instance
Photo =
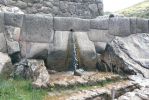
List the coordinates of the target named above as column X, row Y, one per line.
column 59, row 51
column 100, row 47
column 133, row 25
column 34, row 50
column 138, row 25
column 86, row 50
column 137, row 94
column 128, row 55
column 10, row 10
column 3, row 47
column 141, row 81
column 21, row 4
column 40, row 73
column 78, row 72
column 12, row 33
column 99, row 36
column 93, row 10
column 33, row 30
column 3, row 2
column 69, row 23
column 13, row 47
column 2, row 23
column 6, row 67
column 100, row 23
column 119, row 26
column 13, row 19
column 32, row 69
column 142, row 25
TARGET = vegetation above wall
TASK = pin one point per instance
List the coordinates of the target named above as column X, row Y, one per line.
column 138, row 10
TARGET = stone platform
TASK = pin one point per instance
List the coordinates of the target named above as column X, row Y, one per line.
column 68, row 80
column 89, row 86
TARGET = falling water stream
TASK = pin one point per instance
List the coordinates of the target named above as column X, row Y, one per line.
column 74, row 59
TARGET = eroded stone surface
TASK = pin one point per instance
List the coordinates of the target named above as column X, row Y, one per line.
column 6, row 67
column 128, row 55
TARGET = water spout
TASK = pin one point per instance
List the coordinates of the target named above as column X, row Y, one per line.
column 74, row 63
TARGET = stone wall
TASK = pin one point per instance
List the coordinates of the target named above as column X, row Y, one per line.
column 44, row 37
column 63, row 8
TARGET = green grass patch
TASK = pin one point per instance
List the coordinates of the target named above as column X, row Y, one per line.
column 19, row 90
column 139, row 10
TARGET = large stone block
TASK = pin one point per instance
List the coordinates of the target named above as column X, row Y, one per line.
column 37, row 28
column 119, row 26
column 2, row 25
column 133, row 25
column 138, row 25
column 3, row 47
column 34, row 50
column 12, row 19
column 142, row 26
column 57, row 57
column 86, row 50
column 70, row 23
column 100, row 47
column 100, row 36
column 99, row 23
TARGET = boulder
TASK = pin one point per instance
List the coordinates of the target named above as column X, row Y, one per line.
column 32, row 69
column 6, row 67
column 86, row 50
column 128, row 55
column 40, row 73
column 37, row 28
column 58, row 55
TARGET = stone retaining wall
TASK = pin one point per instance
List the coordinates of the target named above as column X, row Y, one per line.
column 63, row 8
column 44, row 37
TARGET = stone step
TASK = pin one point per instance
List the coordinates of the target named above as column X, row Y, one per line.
column 99, row 93
column 66, row 80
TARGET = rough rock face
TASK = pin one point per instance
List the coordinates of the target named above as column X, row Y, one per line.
column 138, row 94
column 128, row 55
column 10, row 9
column 32, row 69
column 5, row 65
column 64, row 8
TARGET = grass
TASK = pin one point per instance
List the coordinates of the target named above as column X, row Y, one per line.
column 22, row 90
column 19, row 90
column 138, row 10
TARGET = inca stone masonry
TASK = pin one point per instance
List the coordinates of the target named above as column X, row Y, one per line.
column 63, row 8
